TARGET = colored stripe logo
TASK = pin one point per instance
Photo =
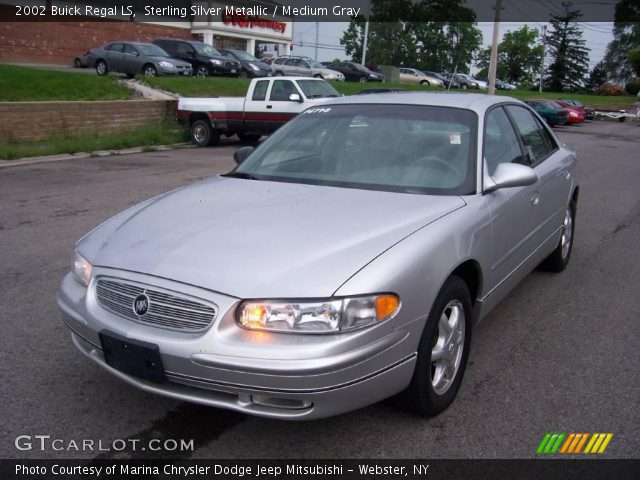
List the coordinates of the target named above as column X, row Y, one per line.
column 573, row 443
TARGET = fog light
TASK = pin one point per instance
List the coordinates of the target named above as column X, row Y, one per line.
column 279, row 402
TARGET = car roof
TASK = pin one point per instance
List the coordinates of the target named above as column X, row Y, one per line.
column 471, row 101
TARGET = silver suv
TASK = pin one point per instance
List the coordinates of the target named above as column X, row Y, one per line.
column 304, row 67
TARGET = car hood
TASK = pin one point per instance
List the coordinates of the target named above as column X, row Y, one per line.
column 253, row 239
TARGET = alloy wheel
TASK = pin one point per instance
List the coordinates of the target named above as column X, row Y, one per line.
column 448, row 347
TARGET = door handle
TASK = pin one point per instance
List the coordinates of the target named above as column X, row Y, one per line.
column 269, row 107
column 535, row 199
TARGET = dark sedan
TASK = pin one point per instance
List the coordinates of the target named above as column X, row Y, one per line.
column 354, row 72
column 448, row 83
column 250, row 66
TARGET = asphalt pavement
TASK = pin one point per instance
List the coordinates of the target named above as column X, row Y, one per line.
column 560, row 354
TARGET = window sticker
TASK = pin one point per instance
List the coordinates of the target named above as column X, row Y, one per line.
column 454, row 139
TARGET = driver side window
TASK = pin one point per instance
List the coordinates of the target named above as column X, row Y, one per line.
column 500, row 141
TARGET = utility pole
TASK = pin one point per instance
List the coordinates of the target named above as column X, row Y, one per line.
column 544, row 47
column 317, row 35
column 493, row 64
column 364, row 43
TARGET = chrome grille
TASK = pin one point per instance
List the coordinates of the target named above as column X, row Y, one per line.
column 232, row 64
column 166, row 310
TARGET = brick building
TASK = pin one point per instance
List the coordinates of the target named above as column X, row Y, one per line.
column 59, row 42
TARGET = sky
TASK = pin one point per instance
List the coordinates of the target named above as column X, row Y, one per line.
column 597, row 35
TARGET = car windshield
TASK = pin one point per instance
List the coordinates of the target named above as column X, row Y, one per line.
column 205, row 49
column 316, row 65
column 400, row 148
column 152, row 51
column 247, row 57
column 317, row 89
column 553, row 104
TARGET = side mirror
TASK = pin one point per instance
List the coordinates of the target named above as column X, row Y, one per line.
column 509, row 175
column 241, row 154
column 295, row 97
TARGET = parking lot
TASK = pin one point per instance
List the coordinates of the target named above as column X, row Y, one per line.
column 559, row 354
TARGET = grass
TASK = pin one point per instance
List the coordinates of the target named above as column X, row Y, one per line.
column 30, row 84
column 145, row 136
column 236, row 87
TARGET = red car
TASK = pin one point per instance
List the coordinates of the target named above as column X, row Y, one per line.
column 577, row 114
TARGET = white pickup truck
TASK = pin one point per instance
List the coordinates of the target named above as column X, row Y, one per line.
column 269, row 104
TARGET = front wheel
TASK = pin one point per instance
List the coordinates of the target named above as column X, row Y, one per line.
column 442, row 352
column 243, row 74
column 202, row 71
column 363, row 79
column 425, row 83
column 559, row 258
column 203, row 134
column 101, row 67
column 149, row 71
column 464, row 86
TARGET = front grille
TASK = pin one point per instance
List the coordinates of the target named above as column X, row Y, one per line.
column 232, row 65
column 165, row 310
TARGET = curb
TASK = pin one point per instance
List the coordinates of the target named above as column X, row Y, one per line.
column 83, row 155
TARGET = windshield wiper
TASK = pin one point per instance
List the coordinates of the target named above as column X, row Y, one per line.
column 247, row 176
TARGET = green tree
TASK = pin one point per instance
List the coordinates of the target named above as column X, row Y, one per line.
column 568, row 52
column 598, row 76
column 519, row 56
column 626, row 38
column 432, row 34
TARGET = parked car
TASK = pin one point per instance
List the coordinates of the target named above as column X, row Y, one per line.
column 578, row 106
column 268, row 104
column 447, row 83
column 250, row 66
column 230, row 293
column 505, row 85
column 82, row 60
column 354, row 72
column 304, row 67
column 550, row 111
column 416, row 77
column 204, row 59
column 482, row 84
column 134, row 58
column 464, row 80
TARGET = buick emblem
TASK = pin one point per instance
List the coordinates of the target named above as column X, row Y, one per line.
column 141, row 304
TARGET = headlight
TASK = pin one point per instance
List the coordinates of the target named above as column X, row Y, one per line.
column 216, row 62
column 331, row 315
column 81, row 268
column 166, row 64
column 254, row 67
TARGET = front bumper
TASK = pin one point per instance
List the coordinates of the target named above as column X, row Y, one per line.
column 174, row 72
column 233, row 368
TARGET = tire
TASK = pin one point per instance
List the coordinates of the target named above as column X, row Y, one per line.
column 464, row 86
column 363, row 79
column 202, row 71
column 203, row 134
column 131, row 75
column 433, row 386
column 102, row 68
column 77, row 63
column 149, row 71
column 243, row 74
column 318, row 76
column 248, row 137
column 425, row 83
column 559, row 258
column 279, row 73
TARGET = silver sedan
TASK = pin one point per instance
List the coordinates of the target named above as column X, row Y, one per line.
column 345, row 260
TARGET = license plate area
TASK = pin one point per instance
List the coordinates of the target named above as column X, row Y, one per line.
column 133, row 357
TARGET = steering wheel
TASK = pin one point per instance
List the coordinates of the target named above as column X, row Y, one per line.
column 438, row 162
